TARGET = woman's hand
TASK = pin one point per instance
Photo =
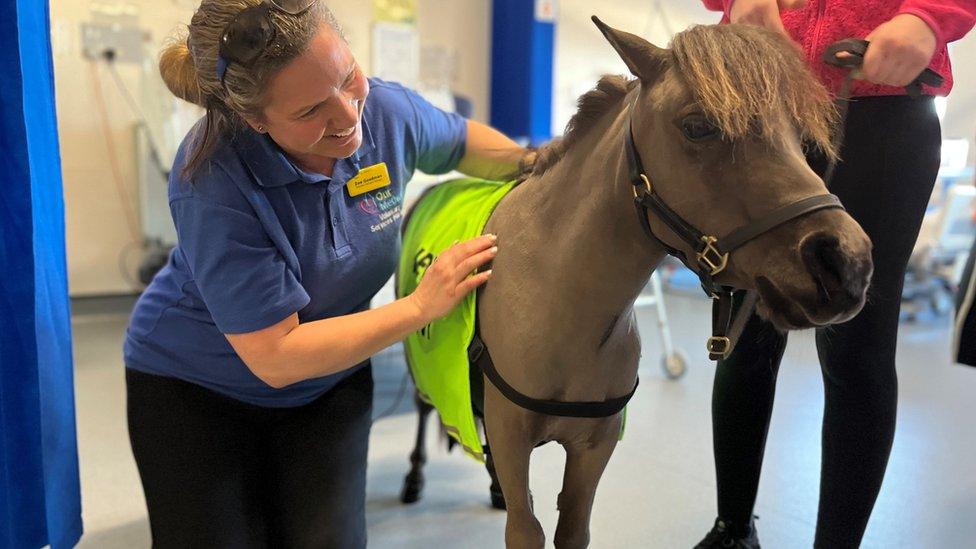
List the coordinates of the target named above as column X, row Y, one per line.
column 527, row 162
column 762, row 13
column 449, row 278
column 900, row 50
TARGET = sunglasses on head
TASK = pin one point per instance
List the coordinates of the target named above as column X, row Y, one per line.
column 250, row 33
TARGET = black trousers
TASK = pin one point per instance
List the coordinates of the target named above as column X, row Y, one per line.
column 965, row 324
column 890, row 158
column 218, row 472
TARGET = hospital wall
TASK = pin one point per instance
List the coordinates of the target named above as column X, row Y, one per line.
column 98, row 233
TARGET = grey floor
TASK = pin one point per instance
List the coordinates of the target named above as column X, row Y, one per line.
column 658, row 491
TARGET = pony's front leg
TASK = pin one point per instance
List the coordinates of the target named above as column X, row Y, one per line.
column 509, row 429
column 585, row 462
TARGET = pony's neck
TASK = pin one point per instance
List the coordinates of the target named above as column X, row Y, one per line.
column 591, row 247
column 573, row 259
column 609, row 256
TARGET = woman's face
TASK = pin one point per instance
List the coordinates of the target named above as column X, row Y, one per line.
column 315, row 103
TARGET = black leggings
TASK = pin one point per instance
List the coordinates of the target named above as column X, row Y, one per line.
column 890, row 160
column 218, row 472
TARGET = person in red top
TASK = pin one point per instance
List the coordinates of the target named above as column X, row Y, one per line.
column 889, row 162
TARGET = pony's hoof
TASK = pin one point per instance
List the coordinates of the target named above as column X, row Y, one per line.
column 409, row 495
column 411, row 490
column 497, row 500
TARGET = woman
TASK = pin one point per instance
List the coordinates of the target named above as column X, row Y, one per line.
column 248, row 374
column 890, row 158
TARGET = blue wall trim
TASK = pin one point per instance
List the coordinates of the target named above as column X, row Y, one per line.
column 521, row 71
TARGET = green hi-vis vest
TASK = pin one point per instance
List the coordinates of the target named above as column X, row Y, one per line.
column 453, row 211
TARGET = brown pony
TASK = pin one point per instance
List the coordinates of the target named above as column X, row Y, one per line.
column 719, row 123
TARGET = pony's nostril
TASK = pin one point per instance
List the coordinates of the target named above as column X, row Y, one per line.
column 859, row 279
column 829, row 267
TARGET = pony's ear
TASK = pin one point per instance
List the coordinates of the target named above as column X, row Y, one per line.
column 645, row 60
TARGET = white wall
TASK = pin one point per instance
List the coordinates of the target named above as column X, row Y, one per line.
column 97, row 230
column 583, row 55
column 95, row 203
column 960, row 118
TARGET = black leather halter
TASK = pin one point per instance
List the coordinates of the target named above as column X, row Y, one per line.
column 711, row 257
column 711, row 252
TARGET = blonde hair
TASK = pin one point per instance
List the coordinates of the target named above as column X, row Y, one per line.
column 188, row 65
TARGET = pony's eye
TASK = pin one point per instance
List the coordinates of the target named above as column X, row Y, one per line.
column 696, row 127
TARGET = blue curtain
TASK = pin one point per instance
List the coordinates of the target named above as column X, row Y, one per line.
column 40, row 499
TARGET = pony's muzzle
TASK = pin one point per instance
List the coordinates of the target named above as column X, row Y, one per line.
column 841, row 276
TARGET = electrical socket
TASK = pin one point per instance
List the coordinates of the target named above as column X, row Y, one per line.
column 124, row 41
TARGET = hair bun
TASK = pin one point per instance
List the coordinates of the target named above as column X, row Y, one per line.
column 179, row 72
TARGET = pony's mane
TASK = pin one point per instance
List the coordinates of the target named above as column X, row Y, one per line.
column 741, row 75
column 610, row 90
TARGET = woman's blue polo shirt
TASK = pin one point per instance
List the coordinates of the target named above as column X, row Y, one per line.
column 260, row 239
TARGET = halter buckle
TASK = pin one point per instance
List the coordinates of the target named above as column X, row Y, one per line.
column 647, row 185
column 719, row 345
column 711, row 258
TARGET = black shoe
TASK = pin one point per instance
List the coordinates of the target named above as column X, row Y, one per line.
column 723, row 536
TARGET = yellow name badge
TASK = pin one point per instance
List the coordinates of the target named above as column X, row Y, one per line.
column 369, row 179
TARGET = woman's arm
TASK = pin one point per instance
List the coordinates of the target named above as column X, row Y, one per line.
column 762, row 13
column 716, row 5
column 903, row 46
column 288, row 351
column 949, row 20
column 490, row 154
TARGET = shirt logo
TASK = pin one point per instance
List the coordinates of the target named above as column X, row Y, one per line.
column 385, row 205
column 368, row 206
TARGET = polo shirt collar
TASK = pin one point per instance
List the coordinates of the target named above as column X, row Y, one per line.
column 272, row 168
